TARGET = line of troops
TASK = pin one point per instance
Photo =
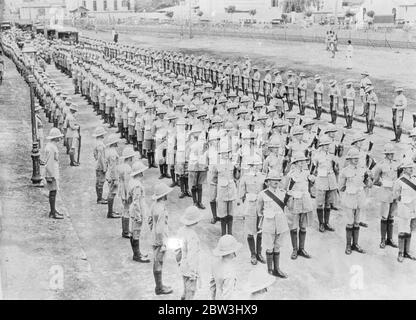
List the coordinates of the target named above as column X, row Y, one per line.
column 270, row 163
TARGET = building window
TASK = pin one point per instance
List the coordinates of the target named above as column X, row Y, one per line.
column 115, row 5
column 105, row 5
column 94, row 5
column 126, row 3
column 275, row 3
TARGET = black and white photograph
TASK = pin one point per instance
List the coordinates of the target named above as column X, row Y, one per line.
column 207, row 150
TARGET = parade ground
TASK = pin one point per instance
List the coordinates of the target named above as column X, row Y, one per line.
column 84, row 255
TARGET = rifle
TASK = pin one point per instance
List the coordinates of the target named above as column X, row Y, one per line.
column 79, row 143
column 339, row 149
column 414, row 120
column 310, row 183
column 299, row 101
column 367, row 158
column 315, row 140
column 291, row 184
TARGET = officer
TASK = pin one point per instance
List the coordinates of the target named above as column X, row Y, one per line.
column 251, row 184
column 385, row 173
column 299, row 203
column 334, row 95
column 318, row 92
column 323, row 166
column 100, row 167
column 400, row 105
column 273, row 222
column 188, row 254
column 226, row 192
column 352, row 184
column 274, row 161
column 51, row 162
column 158, row 223
column 224, row 268
column 171, row 147
column 372, row 102
column 73, row 135
column 138, row 209
column 404, row 192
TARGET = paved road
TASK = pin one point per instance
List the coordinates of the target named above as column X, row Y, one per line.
column 97, row 261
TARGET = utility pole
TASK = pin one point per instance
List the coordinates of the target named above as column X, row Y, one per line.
column 190, row 19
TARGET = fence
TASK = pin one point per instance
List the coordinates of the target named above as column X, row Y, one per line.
column 388, row 38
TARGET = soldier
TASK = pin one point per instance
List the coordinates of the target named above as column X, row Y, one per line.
column 51, row 162
column 226, row 193
column 158, row 223
column 352, row 183
column 299, row 203
column 171, row 147
column 159, row 132
column 318, row 92
column 364, row 83
column 274, row 161
column 279, row 98
column 235, row 83
column 123, row 172
column 188, row 255
column 197, row 165
column 224, row 269
column 182, row 157
column 302, row 89
column 149, row 143
column 325, row 168
column 273, row 222
column 138, row 210
column 111, row 163
column 349, row 104
column 250, row 186
column 267, row 85
column 290, row 89
column 404, row 191
column 372, row 102
column 73, row 135
column 100, row 167
column 334, row 95
column 400, row 105
column 385, row 173
column 255, row 84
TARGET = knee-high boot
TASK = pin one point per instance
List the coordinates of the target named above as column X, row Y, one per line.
column 294, row 240
column 383, row 233
column 389, row 241
column 402, row 246
column 355, row 236
column 277, row 272
column 269, row 260
column 230, row 225
column 172, row 175
column 213, row 205
column 259, row 255
column 302, row 238
column 407, row 241
column 320, row 213
column 125, row 227
column 327, row 213
column 252, row 248
column 223, row 226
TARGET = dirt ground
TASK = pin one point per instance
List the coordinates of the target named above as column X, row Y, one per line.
column 388, row 68
column 96, row 261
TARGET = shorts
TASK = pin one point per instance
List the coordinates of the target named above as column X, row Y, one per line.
column 225, row 208
column 126, row 209
column 197, row 178
column 250, row 225
column 135, row 228
column 112, row 188
column 325, row 198
column 388, row 210
column 52, row 185
column 352, row 216
column 149, row 145
column 272, row 241
column 100, row 177
column 158, row 257
column 299, row 221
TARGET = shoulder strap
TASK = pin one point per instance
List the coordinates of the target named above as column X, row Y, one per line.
column 409, row 183
column 275, row 199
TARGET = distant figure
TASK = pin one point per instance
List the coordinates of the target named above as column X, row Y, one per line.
column 350, row 51
column 114, row 35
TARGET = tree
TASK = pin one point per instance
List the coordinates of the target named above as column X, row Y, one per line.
column 349, row 14
column 253, row 12
column 169, row 14
column 200, row 13
column 230, row 9
column 371, row 14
